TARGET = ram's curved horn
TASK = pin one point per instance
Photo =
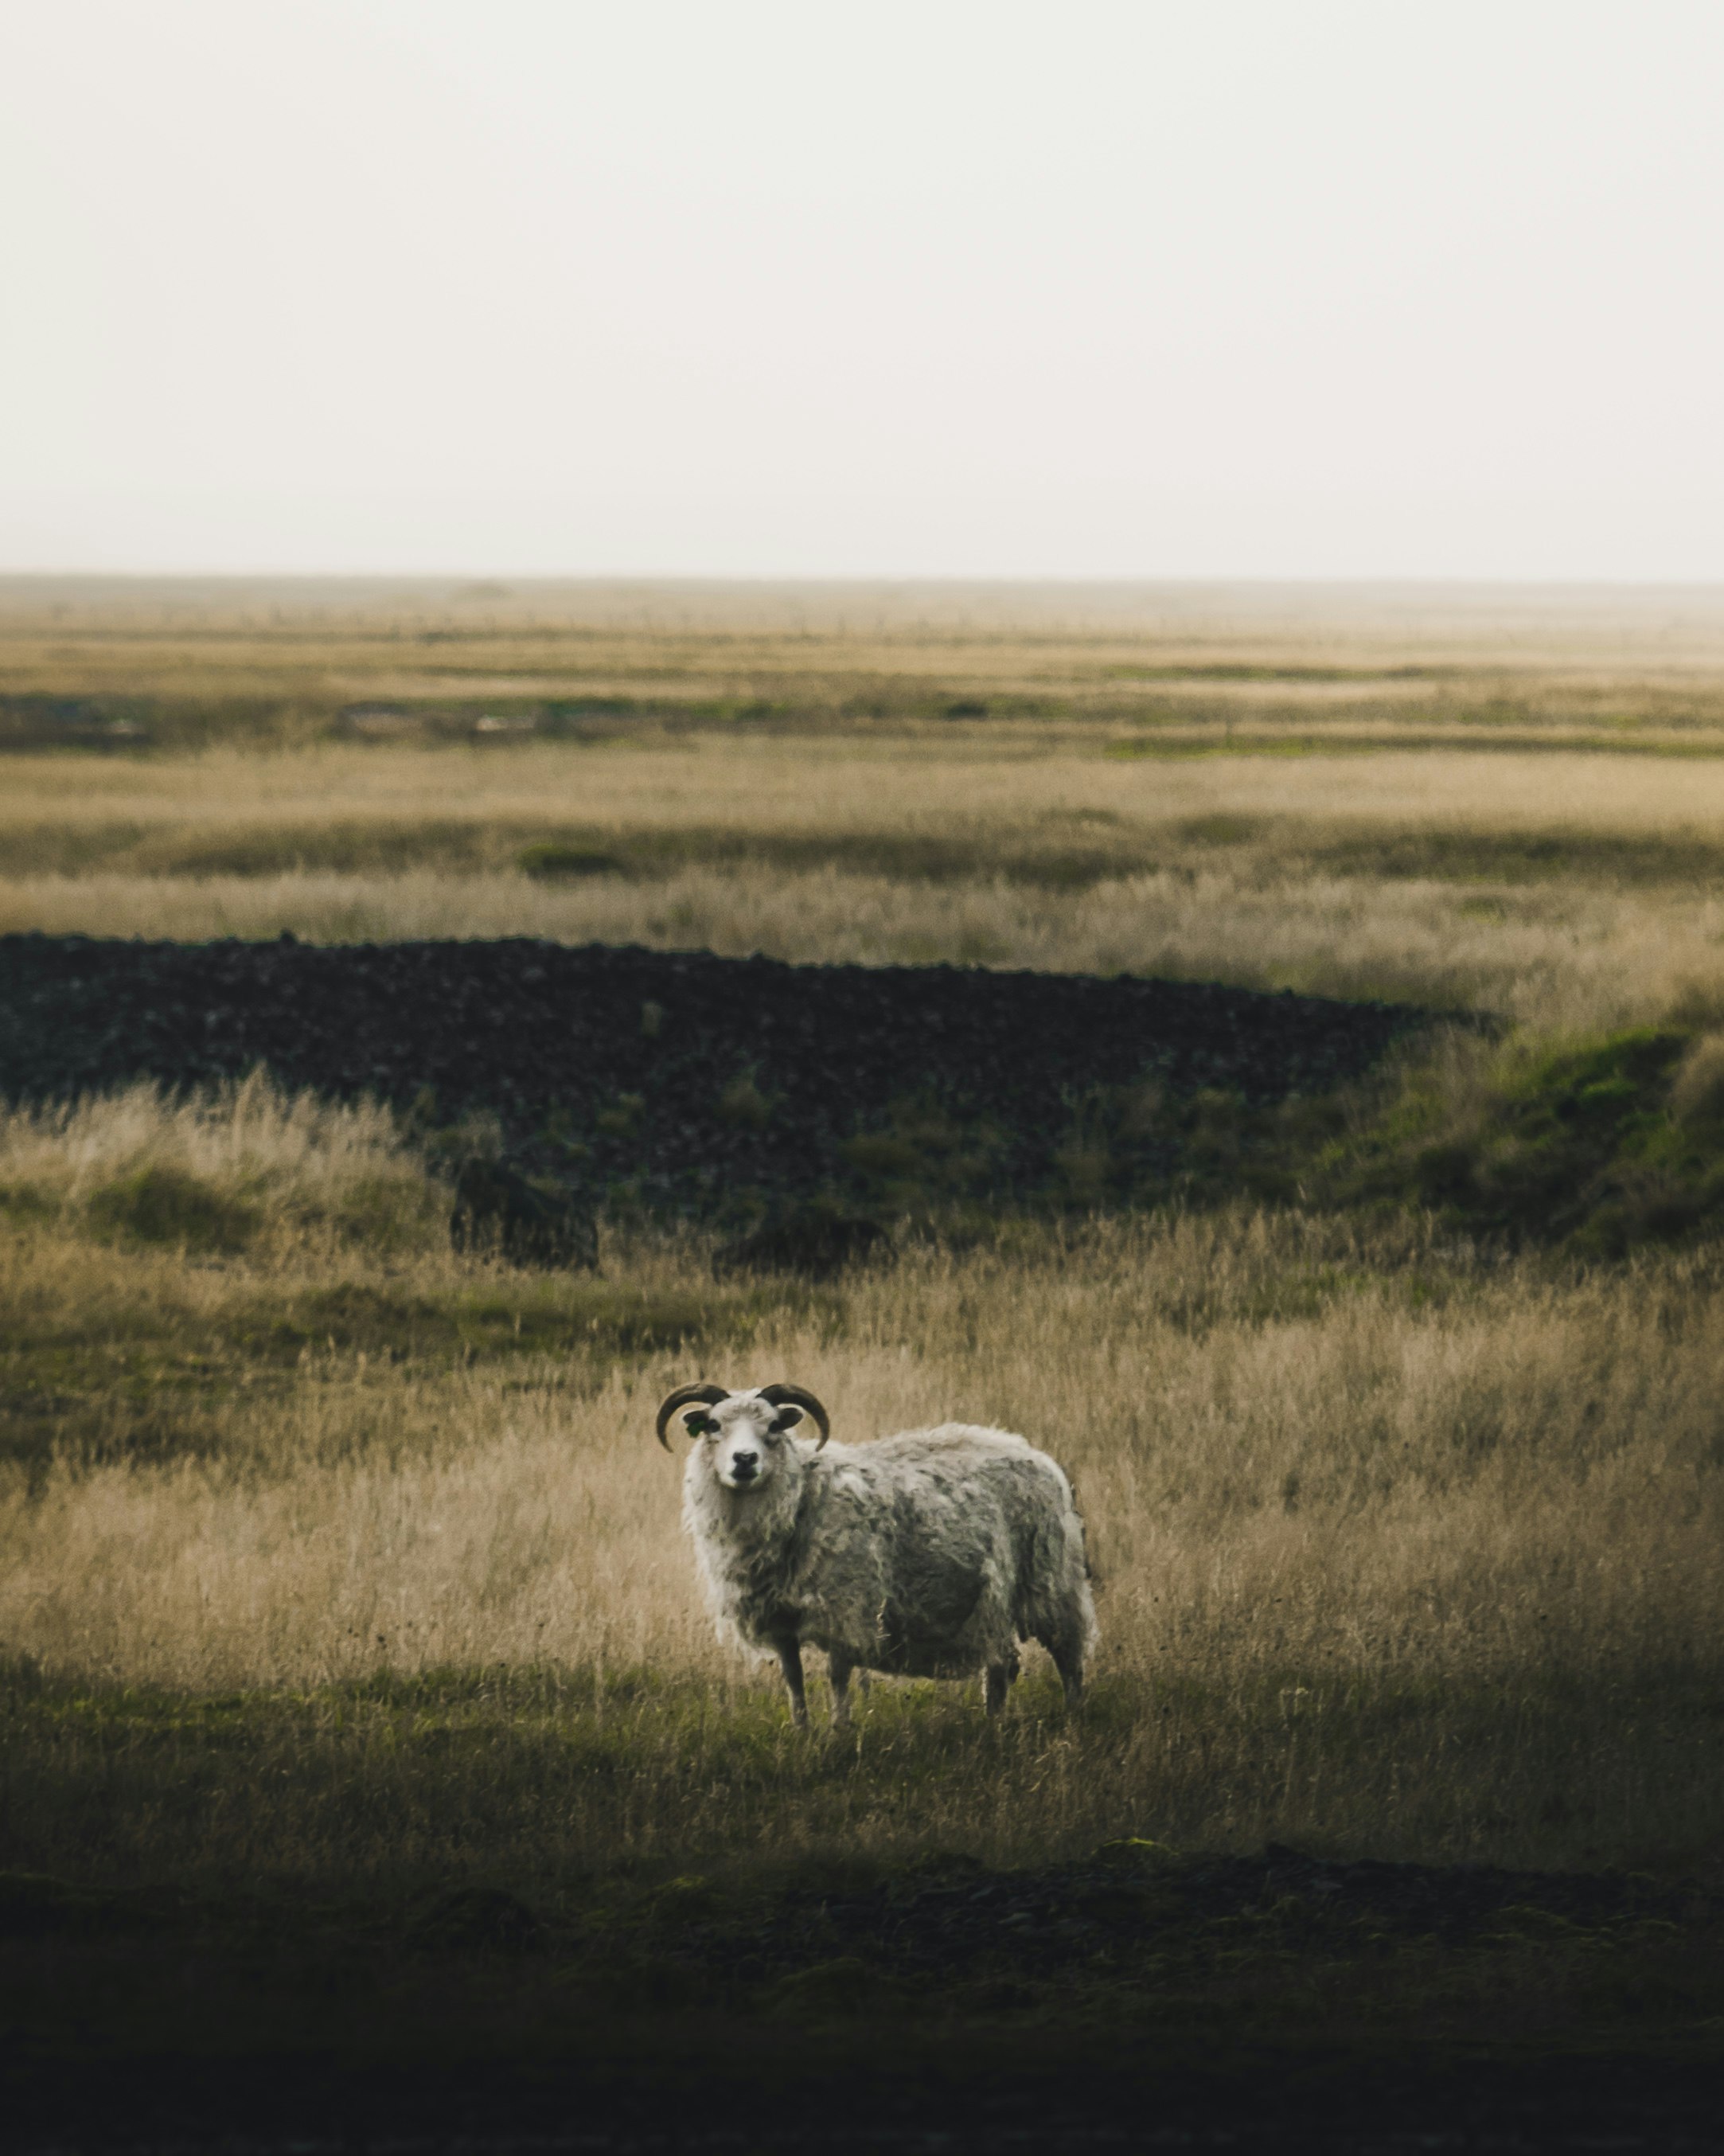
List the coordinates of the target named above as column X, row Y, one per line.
column 711, row 1394
column 794, row 1396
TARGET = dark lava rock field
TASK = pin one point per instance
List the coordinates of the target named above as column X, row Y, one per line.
column 676, row 1081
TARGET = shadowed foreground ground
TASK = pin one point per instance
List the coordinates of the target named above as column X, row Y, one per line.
column 369, row 1768
column 1135, row 1998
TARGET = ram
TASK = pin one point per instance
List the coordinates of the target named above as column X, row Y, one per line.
column 930, row 1553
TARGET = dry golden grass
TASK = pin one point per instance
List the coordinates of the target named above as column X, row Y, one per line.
column 1567, row 892
column 1398, row 1550
column 300, row 1155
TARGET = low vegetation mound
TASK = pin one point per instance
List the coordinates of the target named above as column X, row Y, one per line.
column 1601, row 1146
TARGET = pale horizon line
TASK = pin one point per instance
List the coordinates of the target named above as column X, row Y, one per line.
column 867, row 580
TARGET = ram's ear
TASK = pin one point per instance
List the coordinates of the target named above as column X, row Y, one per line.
column 697, row 1421
column 787, row 1418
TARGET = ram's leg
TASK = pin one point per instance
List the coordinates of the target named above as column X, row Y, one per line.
column 999, row 1683
column 790, row 1662
column 1068, row 1637
column 1068, row 1660
column 841, row 1666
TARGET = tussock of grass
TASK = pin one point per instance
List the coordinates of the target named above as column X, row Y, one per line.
column 216, row 1172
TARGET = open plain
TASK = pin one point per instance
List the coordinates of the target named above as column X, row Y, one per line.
column 351, row 1661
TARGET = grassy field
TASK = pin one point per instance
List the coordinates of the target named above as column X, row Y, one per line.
column 339, row 1568
column 1382, row 1532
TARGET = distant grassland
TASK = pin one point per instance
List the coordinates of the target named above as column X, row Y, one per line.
column 1563, row 890
column 1506, row 800
column 283, row 660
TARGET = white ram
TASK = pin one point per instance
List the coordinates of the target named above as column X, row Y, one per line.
column 930, row 1553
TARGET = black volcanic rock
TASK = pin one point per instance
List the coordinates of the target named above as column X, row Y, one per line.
column 679, row 1076
column 813, row 1241
column 496, row 1208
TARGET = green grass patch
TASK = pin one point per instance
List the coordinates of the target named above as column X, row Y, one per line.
column 1601, row 1147
column 390, row 1213
column 1182, row 737
column 1181, row 748
column 1058, row 851
column 396, row 1780
column 548, row 862
column 104, row 722
column 1525, row 857
column 1241, row 670
column 545, row 1867
column 138, row 1375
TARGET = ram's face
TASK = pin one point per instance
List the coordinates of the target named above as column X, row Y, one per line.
column 746, row 1438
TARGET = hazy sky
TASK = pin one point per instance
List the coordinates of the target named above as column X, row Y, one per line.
column 1183, row 287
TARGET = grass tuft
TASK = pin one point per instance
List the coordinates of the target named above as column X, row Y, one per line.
column 163, row 1204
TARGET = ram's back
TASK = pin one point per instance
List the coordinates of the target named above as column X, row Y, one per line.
column 934, row 1480
column 960, row 1453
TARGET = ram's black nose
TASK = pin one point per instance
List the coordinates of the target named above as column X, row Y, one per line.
column 743, row 1464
